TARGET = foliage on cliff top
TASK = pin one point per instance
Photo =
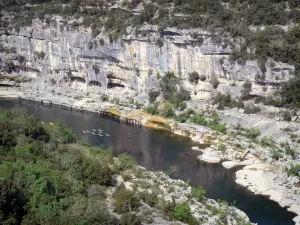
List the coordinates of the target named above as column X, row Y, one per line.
column 221, row 17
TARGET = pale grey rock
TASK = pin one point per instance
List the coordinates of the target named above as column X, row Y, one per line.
column 73, row 58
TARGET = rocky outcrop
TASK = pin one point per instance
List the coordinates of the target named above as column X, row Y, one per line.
column 60, row 54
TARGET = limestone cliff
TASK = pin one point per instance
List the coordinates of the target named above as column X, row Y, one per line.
column 63, row 54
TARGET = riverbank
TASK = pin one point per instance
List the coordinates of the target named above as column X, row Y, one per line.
column 197, row 133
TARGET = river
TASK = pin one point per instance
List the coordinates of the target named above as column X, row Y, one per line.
column 157, row 150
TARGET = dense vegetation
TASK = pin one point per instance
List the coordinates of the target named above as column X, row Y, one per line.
column 45, row 178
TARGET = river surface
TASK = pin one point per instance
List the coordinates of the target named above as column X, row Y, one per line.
column 157, row 150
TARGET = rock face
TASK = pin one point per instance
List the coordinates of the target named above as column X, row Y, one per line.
column 59, row 54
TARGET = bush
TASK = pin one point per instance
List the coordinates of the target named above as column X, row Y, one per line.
column 53, row 81
column 290, row 151
column 202, row 77
column 214, row 82
column 294, row 170
column 182, row 212
column 62, row 133
column 96, row 68
column 267, row 141
column 130, row 219
column 40, row 55
column 153, row 95
column 125, row 161
column 286, row 115
column 183, row 95
column 183, row 117
column 94, row 173
column 101, row 41
column 214, row 124
column 253, row 132
column 125, row 200
column 222, row 147
column 168, row 85
column 168, row 111
column 247, row 88
column 290, row 92
column 181, row 106
column 104, row 98
column 149, row 198
column 251, row 109
column 276, row 153
column 225, row 100
column 194, row 77
column 152, row 109
column 199, row 193
column 220, row 128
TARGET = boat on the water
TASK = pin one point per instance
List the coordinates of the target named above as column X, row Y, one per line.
column 84, row 132
column 93, row 133
column 107, row 135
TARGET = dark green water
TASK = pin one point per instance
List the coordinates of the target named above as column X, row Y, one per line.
column 158, row 150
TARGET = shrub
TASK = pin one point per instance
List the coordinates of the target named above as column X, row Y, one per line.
column 286, row 115
column 152, row 109
column 194, row 77
column 247, row 88
column 40, row 55
column 214, row 82
column 125, row 161
column 199, row 193
column 130, row 219
column 220, row 128
column 267, row 141
column 290, row 91
column 253, row 132
column 183, row 117
column 202, row 77
column 125, row 200
column 104, row 98
column 96, row 68
column 290, row 151
column 61, row 133
column 181, row 106
column 153, row 94
column 101, row 41
column 94, row 173
column 276, row 153
column 168, row 111
column 222, row 147
column 225, row 100
column 183, row 95
column 159, row 42
column 149, row 198
column 251, row 109
column 53, row 81
column 294, row 170
column 168, row 86
column 182, row 212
